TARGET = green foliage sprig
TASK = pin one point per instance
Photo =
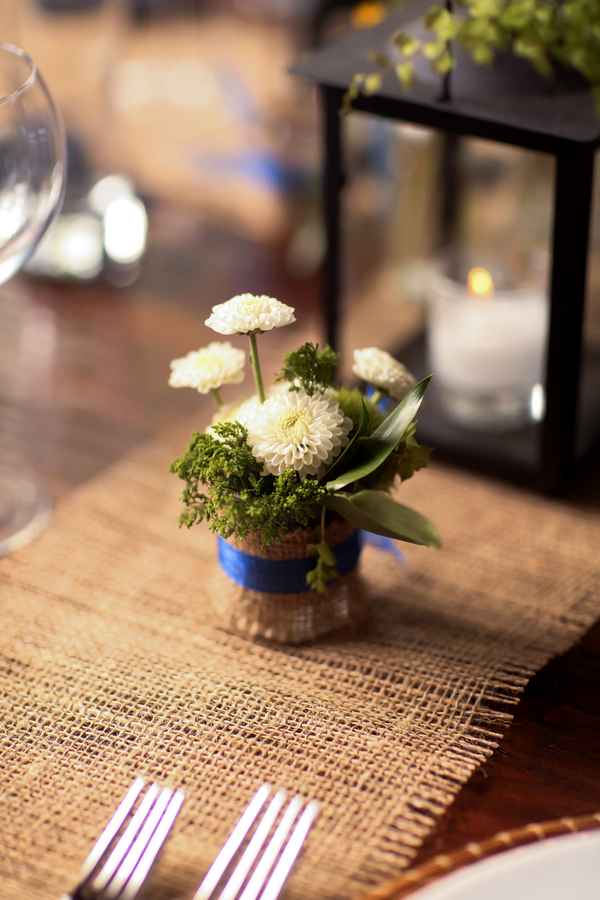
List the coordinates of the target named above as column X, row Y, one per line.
column 376, row 449
column 541, row 31
column 407, row 457
column 351, row 400
column 309, row 368
column 324, row 570
column 236, row 498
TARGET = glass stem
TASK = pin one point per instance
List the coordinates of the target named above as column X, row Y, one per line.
column 217, row 396
column 255, row 363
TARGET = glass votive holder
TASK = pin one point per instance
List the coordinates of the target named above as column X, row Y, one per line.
column 487, row 332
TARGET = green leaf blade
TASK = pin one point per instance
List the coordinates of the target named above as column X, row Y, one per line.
column 383, row 440
column 379, row 514
column 365, row 421
column 342, row 504
column 408, row 524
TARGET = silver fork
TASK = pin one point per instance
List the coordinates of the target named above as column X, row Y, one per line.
column 251, row 874
column 123, row 855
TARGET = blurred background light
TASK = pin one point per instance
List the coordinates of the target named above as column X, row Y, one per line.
column 184, row 82
column 72, row 248
column 538, row 403
column 109, row 189
column 125, row 229
column 79, row 245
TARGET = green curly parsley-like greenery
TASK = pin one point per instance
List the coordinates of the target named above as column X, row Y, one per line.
column 311, row 368
column 237, row 498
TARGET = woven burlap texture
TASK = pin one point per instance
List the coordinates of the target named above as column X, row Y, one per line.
column 113, row 667
column 292, row 618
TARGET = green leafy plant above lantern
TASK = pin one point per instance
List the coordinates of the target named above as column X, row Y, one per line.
column 269, row 460
column 544, row 32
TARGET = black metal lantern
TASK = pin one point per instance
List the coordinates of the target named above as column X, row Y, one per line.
column 511, row 105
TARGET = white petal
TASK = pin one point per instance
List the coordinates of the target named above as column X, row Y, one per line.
column 305, row 444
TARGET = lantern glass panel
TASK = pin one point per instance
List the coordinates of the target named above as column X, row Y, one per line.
column 588, row 426
column 504, row 202
column 389, row 215
column 488, row 291
column 445, row 209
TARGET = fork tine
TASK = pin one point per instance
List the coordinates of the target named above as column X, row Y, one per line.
column 111, row 830
column 229, row 849
column 293, row 848
column 142, row 840
column 111, row 865
column 152, row 850
column 230, row 891
column 261, row 873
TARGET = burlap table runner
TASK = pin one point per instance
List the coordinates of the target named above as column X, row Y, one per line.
column 112, row 666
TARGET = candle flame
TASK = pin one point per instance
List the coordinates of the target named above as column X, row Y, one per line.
column 368, row 13
column 480, row 283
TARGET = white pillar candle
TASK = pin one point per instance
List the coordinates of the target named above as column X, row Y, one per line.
column 487, row 352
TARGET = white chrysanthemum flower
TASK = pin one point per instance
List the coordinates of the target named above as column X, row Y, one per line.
column 247, row 314
column 295, row 431
column 240, row 409
column 383, row 371
column 236, row 411
column 209, row 368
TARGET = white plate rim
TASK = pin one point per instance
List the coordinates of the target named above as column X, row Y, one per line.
column 483, row 871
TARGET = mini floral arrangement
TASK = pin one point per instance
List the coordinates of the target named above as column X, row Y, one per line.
column 269, row 460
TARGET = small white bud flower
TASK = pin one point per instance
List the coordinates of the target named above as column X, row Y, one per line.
column 209, row 368
column 247, row 313
column 380, row 369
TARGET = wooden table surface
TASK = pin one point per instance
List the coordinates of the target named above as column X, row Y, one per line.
column 101, row 389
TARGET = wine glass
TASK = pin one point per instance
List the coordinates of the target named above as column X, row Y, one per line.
column 32, row 167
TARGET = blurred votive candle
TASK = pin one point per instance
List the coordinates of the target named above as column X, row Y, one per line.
column 487, row 342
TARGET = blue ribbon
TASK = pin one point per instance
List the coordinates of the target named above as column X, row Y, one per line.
column 388, row 545
column 282, row 576
column 384, row 403
column 288, row 576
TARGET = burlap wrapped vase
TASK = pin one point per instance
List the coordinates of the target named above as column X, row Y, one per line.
column 263, row 593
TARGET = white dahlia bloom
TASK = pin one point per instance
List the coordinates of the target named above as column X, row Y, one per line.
column 295, row 431
column 247, row 313
column 209, row 368
column 236, row 411
column 383, row 371
column 240, row 409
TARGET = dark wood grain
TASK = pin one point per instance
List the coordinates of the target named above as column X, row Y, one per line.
column 548, row 764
